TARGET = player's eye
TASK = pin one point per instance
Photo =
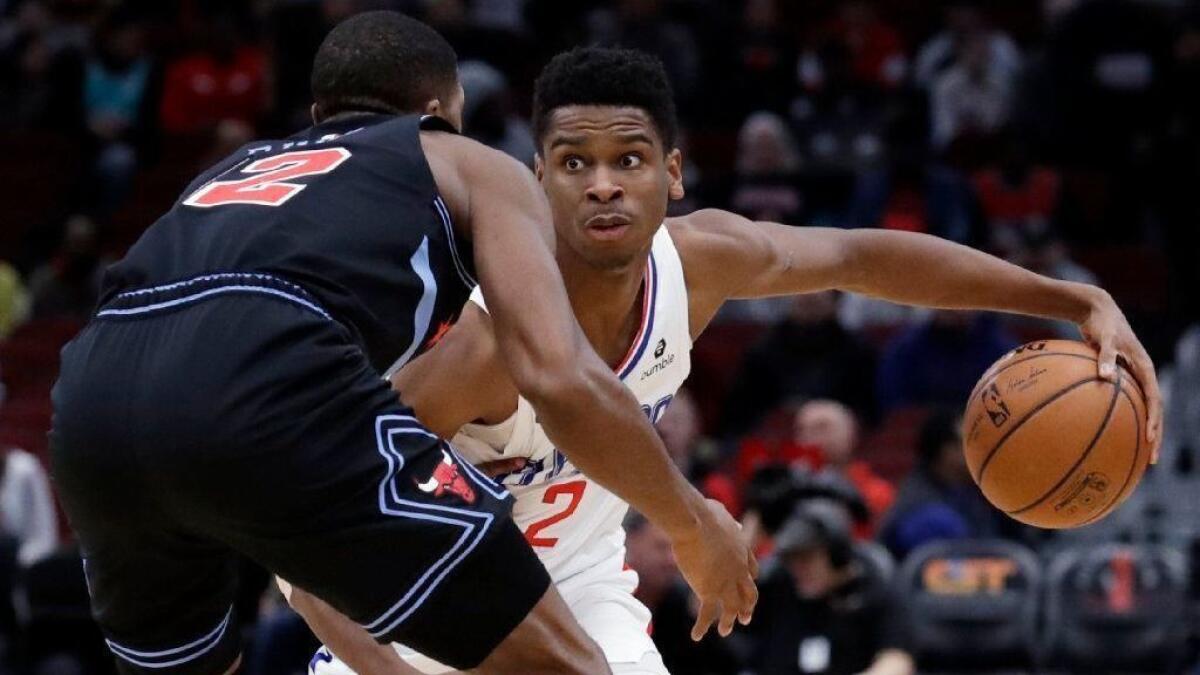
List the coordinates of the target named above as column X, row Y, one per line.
column 631, row 161
column 573, row 163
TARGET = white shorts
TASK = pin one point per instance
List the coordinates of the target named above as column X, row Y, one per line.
column 601, row 598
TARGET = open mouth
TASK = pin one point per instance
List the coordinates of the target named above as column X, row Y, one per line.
column 608, row 226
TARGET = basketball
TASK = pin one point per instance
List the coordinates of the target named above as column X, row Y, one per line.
column 1049, row 442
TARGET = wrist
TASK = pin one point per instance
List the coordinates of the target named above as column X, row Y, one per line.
column 1081, row 301
column 691, row 521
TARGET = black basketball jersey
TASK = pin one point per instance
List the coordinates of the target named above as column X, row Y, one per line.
column 348, row 210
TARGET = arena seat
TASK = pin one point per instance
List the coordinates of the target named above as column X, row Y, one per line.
column 972, row 605
column 1119, row 609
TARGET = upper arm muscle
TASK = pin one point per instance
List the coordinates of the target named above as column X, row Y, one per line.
column 510, row 225
column 727, row 256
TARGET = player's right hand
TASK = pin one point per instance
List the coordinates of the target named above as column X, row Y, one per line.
column 720, row 567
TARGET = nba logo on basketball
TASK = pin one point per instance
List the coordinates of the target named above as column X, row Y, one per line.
column 446, row 478
column 994, row 406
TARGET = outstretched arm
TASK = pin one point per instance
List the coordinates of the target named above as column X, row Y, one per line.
column 727, row 256
column 584, row 408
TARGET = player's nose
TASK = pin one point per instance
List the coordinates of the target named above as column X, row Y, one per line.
column 603, row 189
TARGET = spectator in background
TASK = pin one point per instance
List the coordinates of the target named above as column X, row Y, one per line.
column 823, row 606
column 14, row 301
column 69, row 284
column 937, row 362
column 830, row 427
column 770, row 496
column 116, row 94
column 971, row 99
column 768, row 180
column 876, row 51
column 488, row 116
column 695, row 455
column 39, row 79
column 26, row 506
column 295, row 30
column 642, row 24
column 765, row 56
column 939, row 500
column 965, row 22
column 842, row 127
column 648, row 552
column 503, row 15
column 223, row 81
column 1109, row 64
column 806, row 355
column 1017, row 198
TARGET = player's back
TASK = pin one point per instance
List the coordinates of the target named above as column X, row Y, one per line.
column 347, row 210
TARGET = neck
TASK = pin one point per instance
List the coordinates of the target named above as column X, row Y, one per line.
column 607, row 302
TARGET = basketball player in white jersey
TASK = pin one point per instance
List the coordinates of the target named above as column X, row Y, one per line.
column 643, row 286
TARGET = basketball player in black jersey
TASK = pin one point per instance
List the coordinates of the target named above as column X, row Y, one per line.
column 227, row 395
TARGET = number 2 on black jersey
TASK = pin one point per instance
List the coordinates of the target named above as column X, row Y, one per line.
column 268, row 185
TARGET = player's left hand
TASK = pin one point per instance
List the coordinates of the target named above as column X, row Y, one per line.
column 1107, row 329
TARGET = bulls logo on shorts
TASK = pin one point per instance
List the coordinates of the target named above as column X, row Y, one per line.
column 447, row 479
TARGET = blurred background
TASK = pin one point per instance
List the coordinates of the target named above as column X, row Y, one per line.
column 1063, row 135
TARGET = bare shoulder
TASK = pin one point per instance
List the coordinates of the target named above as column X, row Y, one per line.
column 706, row 222
column 712, row 248
column 710, row 239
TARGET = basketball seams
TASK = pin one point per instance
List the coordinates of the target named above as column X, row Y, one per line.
column 996, row 448
column 989, row 375
column 1137, row 454
column 1112, row 404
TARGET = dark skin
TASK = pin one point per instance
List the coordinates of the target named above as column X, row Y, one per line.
column 608, row 178
column 579, row 401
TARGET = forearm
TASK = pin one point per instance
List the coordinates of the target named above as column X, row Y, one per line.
column 347, row 639
column 892, row 662
column 917, row 269
column 603, row 431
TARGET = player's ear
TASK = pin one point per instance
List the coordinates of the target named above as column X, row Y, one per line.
column 433, row 107
column 539, row 166
column 675, row 171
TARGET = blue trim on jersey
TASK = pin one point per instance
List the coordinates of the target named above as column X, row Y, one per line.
column 219, row 290
column 475, row 524
column 423, row 315
column 448, row 223
column 652, row 289
column 176, row 655
column 155, row 298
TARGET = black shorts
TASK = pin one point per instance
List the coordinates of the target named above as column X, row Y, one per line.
column 232, row 414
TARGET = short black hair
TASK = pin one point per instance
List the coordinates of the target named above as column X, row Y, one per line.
column 384, row 62
column 606, row 76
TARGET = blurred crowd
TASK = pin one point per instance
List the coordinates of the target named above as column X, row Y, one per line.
column 1063, row 135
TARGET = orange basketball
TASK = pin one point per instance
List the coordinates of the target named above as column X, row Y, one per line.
column 1049, row 442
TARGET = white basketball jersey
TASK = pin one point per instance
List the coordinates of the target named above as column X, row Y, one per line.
column 572, row 522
